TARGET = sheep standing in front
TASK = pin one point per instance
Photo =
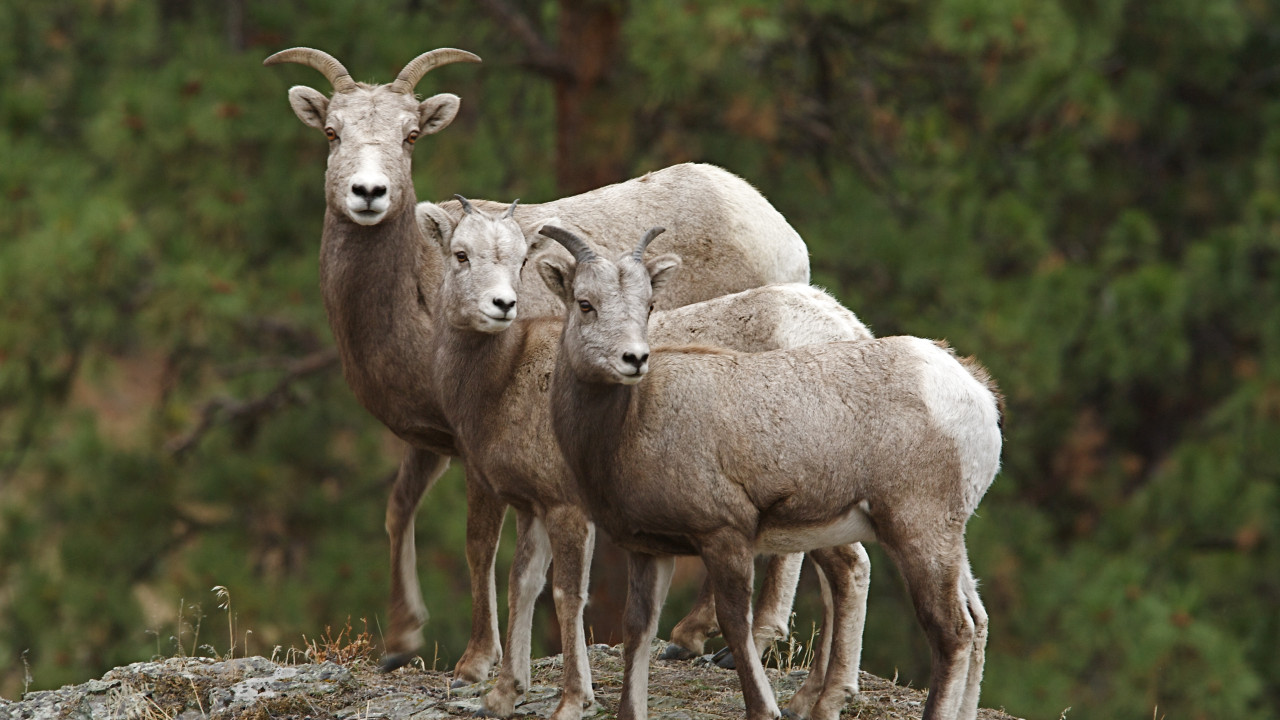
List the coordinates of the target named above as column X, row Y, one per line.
column 492, row 368
column 724, row 454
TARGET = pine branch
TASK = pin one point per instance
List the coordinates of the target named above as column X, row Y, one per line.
column 227, row 410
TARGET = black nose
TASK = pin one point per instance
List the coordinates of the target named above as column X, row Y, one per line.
column 369, row 193
column 504, row 305
column 634, row 361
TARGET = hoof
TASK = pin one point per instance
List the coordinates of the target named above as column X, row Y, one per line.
column 459, row 683
column 791, row 715
column 675, row 652
column 395, row 662
column 724, row 659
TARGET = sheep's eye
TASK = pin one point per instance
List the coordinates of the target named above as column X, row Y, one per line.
column 330, row 133
column 413, row 137
column 650, row 308
column 523, row 263
column 462, row 256
column 585, row 306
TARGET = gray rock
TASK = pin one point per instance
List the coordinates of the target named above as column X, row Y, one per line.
column 212, row 689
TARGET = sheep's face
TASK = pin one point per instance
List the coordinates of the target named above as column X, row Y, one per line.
column 483, row 258
column 606, row 327
column 371, row 132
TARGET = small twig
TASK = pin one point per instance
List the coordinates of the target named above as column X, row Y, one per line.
column 195, row 692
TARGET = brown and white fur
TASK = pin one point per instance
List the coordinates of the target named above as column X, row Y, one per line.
column 724, row 454
column 493, row 373
column 378, row 274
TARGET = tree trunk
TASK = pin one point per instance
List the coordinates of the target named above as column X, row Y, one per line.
column 593, row 121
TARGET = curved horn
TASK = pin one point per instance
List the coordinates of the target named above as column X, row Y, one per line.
column 466, row 204
column 327, row 64
column 638, row 253
column 582, row 252
column 511, row 211
column 424, row 63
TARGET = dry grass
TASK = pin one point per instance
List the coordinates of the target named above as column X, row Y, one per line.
column 676, row 689
column 347, row 647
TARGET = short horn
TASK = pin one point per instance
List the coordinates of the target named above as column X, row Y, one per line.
column 327, row 64
column 511, row 211
column 654, row 232
column 466, row 204
column 408, row 78
column 582, row 252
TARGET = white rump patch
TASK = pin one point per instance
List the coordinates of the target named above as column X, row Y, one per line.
column 966, row 411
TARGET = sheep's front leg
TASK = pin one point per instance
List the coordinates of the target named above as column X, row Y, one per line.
column 419, row 470
column 777, row 594
column 485, row 514
column 689, row 636
column 649, row 579
column 729, row 559
column 572, row 545
column 528, row 575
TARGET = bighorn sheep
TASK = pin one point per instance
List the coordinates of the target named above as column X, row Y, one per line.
column 726, row 454
column 492, row 373
column 377, row 276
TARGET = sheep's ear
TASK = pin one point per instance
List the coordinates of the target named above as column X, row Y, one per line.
column 435, row 224
column 557, row 273
column 534, row 237
column 661, row 270
column 436, row 112
column 310, row 105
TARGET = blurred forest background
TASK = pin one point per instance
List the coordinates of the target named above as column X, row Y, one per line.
column 1083, row 193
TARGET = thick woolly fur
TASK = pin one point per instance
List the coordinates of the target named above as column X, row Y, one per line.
column 726, row 454
column 379, row 275
column 728, row 235
column 493, row 378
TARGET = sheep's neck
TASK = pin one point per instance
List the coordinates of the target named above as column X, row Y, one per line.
column 476, row 371
column 587, row 418
column 370, row 278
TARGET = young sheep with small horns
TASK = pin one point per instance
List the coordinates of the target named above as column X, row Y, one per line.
column 492, row 371
column 725, row 454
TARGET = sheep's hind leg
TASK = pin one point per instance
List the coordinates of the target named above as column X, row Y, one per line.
column 419, row 470
column 933, row 569
column 978, row 614
column 485, row 514
column 848, row 572
column 572, row 544
column 802, row 702
column 528, row 575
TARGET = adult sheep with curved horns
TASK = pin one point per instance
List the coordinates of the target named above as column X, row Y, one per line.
column 378, row 273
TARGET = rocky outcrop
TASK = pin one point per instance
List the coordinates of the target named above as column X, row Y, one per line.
column 256, row 688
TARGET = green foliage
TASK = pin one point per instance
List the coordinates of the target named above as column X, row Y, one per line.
column 1085, row 195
